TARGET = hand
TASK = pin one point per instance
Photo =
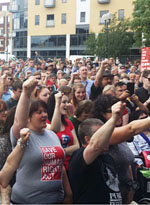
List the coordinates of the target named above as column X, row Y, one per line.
column 124, row 95
column 24, row 134
column 58, row 97
column 117, row 110
column 105, row 64
column 134, row 98
column 3, row 78
column 29, row 85
column 75, row 74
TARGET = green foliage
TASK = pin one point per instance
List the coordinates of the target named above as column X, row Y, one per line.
column 119, row 40
column 141, row 22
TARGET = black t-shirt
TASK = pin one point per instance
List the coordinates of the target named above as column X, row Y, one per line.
column 95, row 91
column 143, row 94
column 96, row 183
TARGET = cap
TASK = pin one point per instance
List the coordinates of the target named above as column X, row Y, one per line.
column 107, row 73
column 49, row 83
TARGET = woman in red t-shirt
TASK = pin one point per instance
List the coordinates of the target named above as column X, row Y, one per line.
column 67, row 133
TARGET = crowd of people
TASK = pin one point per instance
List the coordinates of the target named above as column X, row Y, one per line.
column 70, row 131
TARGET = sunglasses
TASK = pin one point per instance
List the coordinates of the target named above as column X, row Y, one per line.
column 109, row 111
column 10, row 78
column 39, row 87
column 148, row 79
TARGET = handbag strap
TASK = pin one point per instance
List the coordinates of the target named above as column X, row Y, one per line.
column 145, row 138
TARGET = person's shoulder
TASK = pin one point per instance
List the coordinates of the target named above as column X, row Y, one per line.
column 77, row 155
column 9, row 100
column 139, row 90
column 48, row 132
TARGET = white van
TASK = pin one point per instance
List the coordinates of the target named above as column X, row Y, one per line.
column 74, row 57
column 9, row 57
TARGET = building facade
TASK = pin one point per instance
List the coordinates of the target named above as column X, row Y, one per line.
column 58, row 28
column 4, row 27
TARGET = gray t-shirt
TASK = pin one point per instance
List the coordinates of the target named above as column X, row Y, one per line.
column 39, row 176
column 123, row 157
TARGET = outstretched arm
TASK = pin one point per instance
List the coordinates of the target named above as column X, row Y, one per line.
column 100, row 139
column 99, row 75
column 22, row 110
column 124, row 133
column 13, row 160
column 56, row 119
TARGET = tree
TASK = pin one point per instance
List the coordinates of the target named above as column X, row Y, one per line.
column 119, row 40
column 141, row 22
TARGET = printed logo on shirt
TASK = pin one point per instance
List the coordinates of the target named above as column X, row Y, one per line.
column 65, row 140
column 52, row 163
column 113, row 184
column 115, row 198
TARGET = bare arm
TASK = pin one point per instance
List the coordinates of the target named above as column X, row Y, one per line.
column 56, row 119
column 22, row 110
column 67, row 188
column 100, row 72
column 124, row 133
column 69, row 150
column 101, row 137
column 71, row 82
column 2, row 83
column 140, row 105
column 13, row 160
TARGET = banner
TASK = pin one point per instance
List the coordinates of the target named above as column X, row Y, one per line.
column 145, row 59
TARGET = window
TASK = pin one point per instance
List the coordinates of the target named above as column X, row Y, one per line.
column 101, row 14
column 50, row 20
column 121, row 15
column 64, row 1
column 37, row 19
column 82, row 17
column 16, row 23
column 37, row 2
column 1, row 20
column 1, row 31
column 63, row 18
column 8, row 19
column 1, row 43
column 4, row 8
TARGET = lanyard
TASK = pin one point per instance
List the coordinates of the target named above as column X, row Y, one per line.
column 145, row 138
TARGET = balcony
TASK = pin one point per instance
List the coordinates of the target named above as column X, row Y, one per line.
column 49, row 3
column 13, row 8
column 50, row 23
column 103, row 1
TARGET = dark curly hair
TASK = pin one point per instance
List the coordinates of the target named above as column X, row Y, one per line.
column 102, row 104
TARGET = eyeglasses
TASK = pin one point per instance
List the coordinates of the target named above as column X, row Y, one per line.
column 2, row 111
column 109, row 111
column 39, row 87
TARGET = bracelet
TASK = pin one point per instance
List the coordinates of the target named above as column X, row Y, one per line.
column 21, row 144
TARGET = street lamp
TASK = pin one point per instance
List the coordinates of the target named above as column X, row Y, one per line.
column 106, row 18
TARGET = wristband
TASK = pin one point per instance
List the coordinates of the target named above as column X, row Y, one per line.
column 21, row 144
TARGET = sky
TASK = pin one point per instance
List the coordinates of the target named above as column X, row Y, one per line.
column 3, row 1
